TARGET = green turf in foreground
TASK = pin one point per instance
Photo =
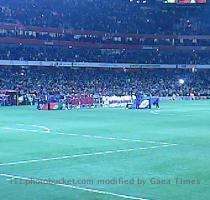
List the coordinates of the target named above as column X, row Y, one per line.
column 183, row 122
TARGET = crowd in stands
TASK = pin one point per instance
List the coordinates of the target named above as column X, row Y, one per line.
column 64, row 81
column 132, row 16
column 71, row 54
column 116, row 16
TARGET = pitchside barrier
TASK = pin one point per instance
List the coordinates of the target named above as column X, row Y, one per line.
column 184, row 98
column 10, row 97
column 50, row 106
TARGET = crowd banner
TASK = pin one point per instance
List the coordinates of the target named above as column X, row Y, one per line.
column 116, row 101
column 144, row 103
column 98, row 65
column 82, row 64
column 50, row 106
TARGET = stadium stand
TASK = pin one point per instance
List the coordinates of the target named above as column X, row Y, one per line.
column 133, row 32
column 64, row 81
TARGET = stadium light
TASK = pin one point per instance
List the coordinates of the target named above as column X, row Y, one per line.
column 181, row 81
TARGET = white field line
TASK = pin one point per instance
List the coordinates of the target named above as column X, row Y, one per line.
column 111, row 138
column 9, row 176
column 154, row 112
column 86, row 136
column 84, row 155
column 46, row 129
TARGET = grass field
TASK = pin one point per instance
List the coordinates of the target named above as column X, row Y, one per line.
column 109, row 154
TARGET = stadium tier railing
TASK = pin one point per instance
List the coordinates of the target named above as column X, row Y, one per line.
column 98, row 65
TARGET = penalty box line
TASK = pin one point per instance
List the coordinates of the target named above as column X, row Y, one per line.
column 111, row 138
column 83, row 135
column 84, row 155
column 9, row 176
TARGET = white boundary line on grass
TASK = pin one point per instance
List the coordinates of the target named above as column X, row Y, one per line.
column 47, row 130
column 157, row 112
column 154, row 112
column 75, row 187
column 81, row 135
column 84, row 155
column 111, row 138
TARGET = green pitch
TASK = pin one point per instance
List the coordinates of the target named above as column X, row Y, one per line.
column 106, row 154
